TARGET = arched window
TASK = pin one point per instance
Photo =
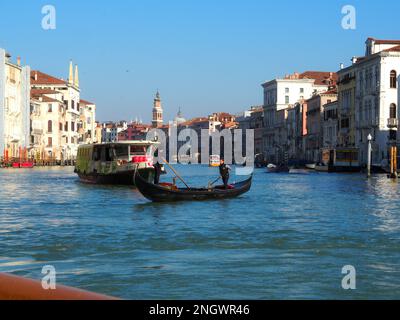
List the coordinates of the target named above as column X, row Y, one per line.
column 393, row 111
column 393, row 79
column 50, row 126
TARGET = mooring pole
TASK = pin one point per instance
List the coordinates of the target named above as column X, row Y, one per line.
column 369, row 156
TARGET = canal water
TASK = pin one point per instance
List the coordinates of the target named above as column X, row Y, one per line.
column 288, row 238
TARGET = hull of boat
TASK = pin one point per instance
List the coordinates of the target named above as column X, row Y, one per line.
column 120, row 178
column 157, row 193
column 322, row 168
column 311, row 166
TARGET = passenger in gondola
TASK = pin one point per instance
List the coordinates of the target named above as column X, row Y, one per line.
column 224, row 172
column 157, row 172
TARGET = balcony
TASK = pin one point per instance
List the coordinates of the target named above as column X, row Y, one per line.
column 393, row 123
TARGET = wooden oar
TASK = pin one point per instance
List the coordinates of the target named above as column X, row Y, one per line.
column 215, row 181
column 174, row 171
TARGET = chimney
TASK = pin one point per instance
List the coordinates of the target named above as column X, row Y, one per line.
column 18, row 61
column 354, row 60
column 341, row 66
column 36, row 77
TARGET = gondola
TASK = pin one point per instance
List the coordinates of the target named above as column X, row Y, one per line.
column 165, row 193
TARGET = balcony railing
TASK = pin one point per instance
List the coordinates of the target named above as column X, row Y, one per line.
column 393, row 123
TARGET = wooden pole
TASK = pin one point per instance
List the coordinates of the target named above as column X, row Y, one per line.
column 174, row 171
column 395, row 161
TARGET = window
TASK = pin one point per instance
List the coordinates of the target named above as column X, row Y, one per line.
column 72, row 126
column 286, row 99
column 60, row 127
column 66, row 127
column 393, row 111
column 50, row 126
column 73, row 104
column 286, row 90
column 301, row 90
column 49, row 107
column 49, row 142
column 393, row 79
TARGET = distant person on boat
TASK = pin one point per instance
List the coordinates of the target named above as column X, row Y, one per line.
column 224, row 172
column 157, row 172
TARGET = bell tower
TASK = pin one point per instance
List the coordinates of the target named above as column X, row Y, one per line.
column 157, row 112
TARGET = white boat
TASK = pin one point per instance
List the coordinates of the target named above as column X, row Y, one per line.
column 311, row 166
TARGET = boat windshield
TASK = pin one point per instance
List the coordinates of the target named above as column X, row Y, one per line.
column 138, row 150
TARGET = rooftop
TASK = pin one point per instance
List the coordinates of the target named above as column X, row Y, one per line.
column 38, row 77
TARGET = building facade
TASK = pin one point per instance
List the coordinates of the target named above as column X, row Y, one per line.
column 375, row 80
column 315, row 117
column 48, row 119
column 14, row 107
column 280, row 95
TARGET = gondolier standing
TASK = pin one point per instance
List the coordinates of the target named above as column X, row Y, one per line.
column 157, row 172
column 224, row 172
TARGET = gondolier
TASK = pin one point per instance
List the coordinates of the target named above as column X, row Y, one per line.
column 224, row 172
column 157, row 172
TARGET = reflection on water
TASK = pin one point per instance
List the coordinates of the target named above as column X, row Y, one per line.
column 287, row 238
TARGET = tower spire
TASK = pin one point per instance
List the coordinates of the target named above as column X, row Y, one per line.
column 76, row 77
column 71, row 73
column 157, row 112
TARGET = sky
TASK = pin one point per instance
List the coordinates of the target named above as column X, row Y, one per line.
column 203, row 56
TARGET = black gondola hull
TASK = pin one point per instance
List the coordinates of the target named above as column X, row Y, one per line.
column 158, row 193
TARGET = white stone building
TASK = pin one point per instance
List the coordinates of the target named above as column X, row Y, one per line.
column 14, row 106
column 71, row 97
column 110, row 130
column 279, row 96
column 48, row 119
column 377, row 98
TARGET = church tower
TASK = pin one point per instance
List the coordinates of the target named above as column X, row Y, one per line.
column 157, row 112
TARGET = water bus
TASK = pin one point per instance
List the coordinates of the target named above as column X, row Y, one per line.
column 116, row 163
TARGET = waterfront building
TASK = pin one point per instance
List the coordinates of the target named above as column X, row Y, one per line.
column 14, row 106
column 252, row 119
column 111, row 130
column 296, row 132
column 376, row 79
column 98, row 133
column 134, row 131
column 315, row 117
column 346, row 139
column 330, row 126
column 279, row 96
column 48, row 120
column 71, row 96
column 87, row 122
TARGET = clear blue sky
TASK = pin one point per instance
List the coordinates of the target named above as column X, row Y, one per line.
column 203, row 55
